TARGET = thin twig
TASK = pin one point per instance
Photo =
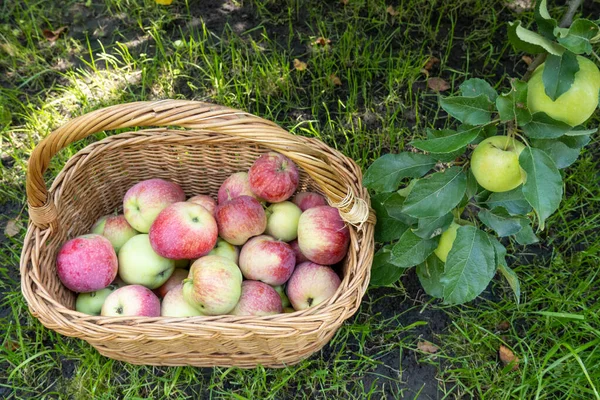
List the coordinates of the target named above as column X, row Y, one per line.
column 565, row 22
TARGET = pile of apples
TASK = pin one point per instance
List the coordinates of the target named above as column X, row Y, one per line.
column 251, row 252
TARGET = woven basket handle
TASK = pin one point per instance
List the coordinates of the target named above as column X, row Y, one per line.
column 195, row 115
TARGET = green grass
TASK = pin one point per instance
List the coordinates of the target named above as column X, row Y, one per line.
column 142, row 51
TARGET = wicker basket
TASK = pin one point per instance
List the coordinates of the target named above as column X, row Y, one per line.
column 217, row 142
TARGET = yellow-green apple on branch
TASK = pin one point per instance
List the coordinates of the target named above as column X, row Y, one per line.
column 446, row 240
column 495, row 163
column 574, row 106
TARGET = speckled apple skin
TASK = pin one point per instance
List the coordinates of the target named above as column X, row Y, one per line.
column 116, row 229
column 258, row 299
column 225, row 249
column 205, row 201
column 174, row 305
column 306, row 200
column 311, row 284
column 300, row 258
column 146, row 199
column 214, row 286
column 273, row 177
column 323, row 236
column 178, row 275
column 241, row 218
column 87, row 263
column 183, row 230
column 268, row 260
column 134, row 300
column 235, row 185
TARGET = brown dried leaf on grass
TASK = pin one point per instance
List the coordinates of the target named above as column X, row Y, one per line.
column 299, row 65
column 528, row 60
column 335, row 80
column 12, row 228
column 431, row 62
column 503, row 326
column 437, row 84
column 508, row 357
column 321, row 41
column 427, row 347
column 53, row 35
column 392, row 11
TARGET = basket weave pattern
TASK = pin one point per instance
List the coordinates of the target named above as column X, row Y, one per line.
column 218, row 141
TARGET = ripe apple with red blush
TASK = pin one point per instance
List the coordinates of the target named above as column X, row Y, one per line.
column 240, row 218
column 131, row 301
column 273, row 177
column 268, row 260
column 205, row 201
column 306, row 200
column 257, row 299
column 323, row 237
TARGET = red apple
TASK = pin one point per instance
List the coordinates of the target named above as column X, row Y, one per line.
column 257, row 299
column 87, row 263
column 268, row 260
column 145, row 200
column 300, row 258
column 131, row 301
column 306, row 200
column 235, row 186
column 183, row 230
column 311, row 284
column 175, row 279
column 323, row 236
column 205, row 201
column 174, row 304
column 115, row 228
column 273, row 177
column 240, row 218
column 214, row 285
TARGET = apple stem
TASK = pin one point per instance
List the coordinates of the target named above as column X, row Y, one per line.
column 564, row 23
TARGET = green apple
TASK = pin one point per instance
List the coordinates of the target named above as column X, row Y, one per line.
column 446, row 241
column 495, row 164
column 91, row 302
column 574, row 106
column 140, row 265
column 282, row 220
column 285, row 302
column 225, row 249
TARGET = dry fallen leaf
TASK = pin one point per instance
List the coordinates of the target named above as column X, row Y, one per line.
column 528, row 60
column 299, row 65
column 508, row 357
column 503, row 326
column 437, row 84
column 431, row 62
column 321, row 41
column 390, row 10
column 335, row 80
column 12, row 228
column 53, row 35
column 427, row 347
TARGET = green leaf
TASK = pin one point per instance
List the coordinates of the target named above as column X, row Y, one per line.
column 543, row 188
column 526, row 236
column 513, row 281
column 433, row 226
column 385, row 174
column 560, row 152
column 470, row 265
column 576, row 142
column 559, row 74
column 436, row 194
column 394, row 205
column 513, row 201
column 429, row 273
column 476, row 86
column 472, row 185
column 530, row 42
column 500, row 221
column 577, row 38
column 384, row 273
column 544, row 127
column 545, row 22
column 512, row 106
column 499, row 251
column 448, row 144
column 469, row 110
column 411, row 250
column 581, row 132
column 387, row 228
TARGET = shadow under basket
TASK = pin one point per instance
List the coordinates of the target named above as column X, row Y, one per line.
column 215, row 143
